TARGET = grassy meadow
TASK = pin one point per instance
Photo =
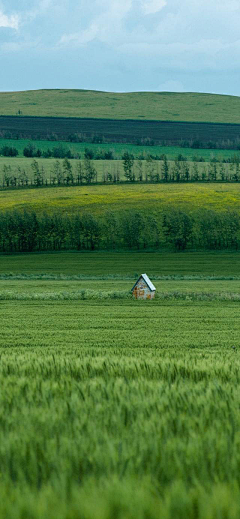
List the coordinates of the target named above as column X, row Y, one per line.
column 162, row 106
column 98, row 199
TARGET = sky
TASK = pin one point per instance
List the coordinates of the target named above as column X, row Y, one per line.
column 121, row 45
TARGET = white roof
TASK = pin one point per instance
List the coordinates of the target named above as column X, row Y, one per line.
column 147, row 280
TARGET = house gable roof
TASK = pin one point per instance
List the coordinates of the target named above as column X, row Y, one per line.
column 147, row 280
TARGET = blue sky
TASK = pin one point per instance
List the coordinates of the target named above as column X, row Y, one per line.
column 120, row 45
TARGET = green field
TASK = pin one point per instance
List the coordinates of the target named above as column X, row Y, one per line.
column 115, row 407
column 31, row 289
column 112, row 408
column 192, row 119
column 127, row 265
column 119, row 409
column 98, row 199
column 162, row 106
column 118, row 149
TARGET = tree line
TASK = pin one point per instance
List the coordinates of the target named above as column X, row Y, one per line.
column 61, row 173
column 173, row 229
column 60, row 152
column 84, row 171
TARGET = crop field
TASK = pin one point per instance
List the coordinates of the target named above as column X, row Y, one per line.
column 116, row 266
column 35, row 289
column 160, row 106
column 98, row 199
column 118, row 149
column 119, row 409
column 112, row 407
column 116, row 130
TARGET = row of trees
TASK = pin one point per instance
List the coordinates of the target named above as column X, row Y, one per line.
column 84, row 172
column 61, row 173
column 60, row 152
column 179, row 170
column 173, row 229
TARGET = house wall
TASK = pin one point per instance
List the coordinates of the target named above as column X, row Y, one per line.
column 142, row 291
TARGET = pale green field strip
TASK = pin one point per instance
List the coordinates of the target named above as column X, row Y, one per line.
column 99, row 198
column 122, row 264
column 118, row 150
column 98, row 288
column 161, row 106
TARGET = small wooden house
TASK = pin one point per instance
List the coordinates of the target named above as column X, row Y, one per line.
column 143, row 288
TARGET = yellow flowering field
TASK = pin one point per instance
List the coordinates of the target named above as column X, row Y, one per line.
column 99, row 198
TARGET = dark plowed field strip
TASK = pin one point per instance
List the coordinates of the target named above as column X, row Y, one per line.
column 116, row 130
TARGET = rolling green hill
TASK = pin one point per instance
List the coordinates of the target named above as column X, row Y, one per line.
column 161, row 106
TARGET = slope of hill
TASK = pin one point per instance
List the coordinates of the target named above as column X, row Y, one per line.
column 158, row 106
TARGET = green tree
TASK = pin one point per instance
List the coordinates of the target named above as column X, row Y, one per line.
column 236, row 172
column 128, row 161
column 177, row 228
column 140, row 170
column 37, row 173
column 91, row 231
column 212, row 174
column 132, row 226
column 77, row 233
column 22, row 176
column 89, row 170
column 111, row 229
column 195, row 171
column 67, row 171
column 79, row 172
column 177, row 170
column 222, row 171
column 7, row 175
column 151, row 169
column 57, row 173
column 186, row 171
column 165, row 169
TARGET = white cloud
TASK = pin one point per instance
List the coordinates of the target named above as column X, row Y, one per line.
column 80, row 38
column 156, row 40
column 40, row 8
column 106, row 25
column 153, row 6
column 12, row 21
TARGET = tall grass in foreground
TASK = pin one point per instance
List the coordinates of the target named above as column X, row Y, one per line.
column 149, row 434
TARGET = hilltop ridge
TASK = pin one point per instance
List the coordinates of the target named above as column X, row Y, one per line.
column 155, row 106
